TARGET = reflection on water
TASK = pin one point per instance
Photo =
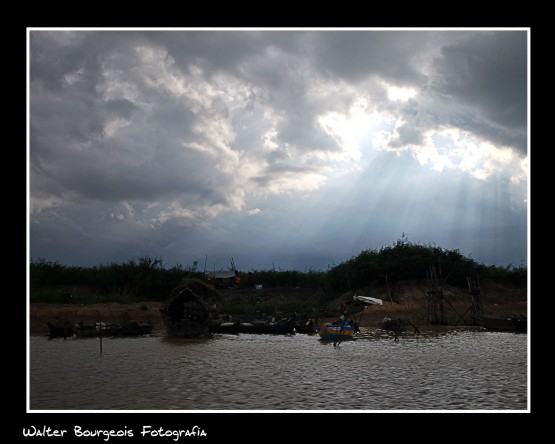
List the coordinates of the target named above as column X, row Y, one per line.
column 460, row 370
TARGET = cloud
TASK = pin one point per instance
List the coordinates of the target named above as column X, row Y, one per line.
column 157, row 137
column 486, row 73
column 356, row 55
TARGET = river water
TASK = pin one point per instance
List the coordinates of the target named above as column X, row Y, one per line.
column 455, row 370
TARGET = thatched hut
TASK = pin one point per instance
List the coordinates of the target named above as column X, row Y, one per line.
column 187, row 315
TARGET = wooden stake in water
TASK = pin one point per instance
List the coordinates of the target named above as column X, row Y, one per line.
column 100, row 338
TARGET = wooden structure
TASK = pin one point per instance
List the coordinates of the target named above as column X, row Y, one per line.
column 436, row 312
column 188, row 316
column 475, row 291
column 223, row 279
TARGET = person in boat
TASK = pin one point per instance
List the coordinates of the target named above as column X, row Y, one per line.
column 339, row 321
column 343, row 310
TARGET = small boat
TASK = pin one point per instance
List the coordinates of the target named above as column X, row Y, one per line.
column 131, row 328
column 231, row 328
column 96, row 329
column 367, row 300
column 285, row 326
column 305, row 326
column 336, row 332
column 503, row 323
column 64, row 331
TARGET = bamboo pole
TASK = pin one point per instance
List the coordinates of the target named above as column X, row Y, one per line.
column 388, row 292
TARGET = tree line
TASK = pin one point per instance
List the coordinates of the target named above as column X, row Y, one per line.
column 149, row 279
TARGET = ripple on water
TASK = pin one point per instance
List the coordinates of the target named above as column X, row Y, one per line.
column 463, row 371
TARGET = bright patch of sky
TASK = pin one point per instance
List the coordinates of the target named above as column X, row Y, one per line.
column 400, row 94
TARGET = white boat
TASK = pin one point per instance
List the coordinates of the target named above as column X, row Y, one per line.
column 368, row 300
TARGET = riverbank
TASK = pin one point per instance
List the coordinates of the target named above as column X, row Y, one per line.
column 59, row 314
column 149, row 312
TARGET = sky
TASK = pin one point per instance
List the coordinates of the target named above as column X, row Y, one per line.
column 279, row 148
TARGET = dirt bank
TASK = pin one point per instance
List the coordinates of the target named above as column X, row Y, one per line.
column 410, row 303
column 409, row 299
column 141, row 312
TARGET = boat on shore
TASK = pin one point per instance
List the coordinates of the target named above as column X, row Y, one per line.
column 82, row 330
column 503, row 323
column 305, row 326
column 230, row 328
column 282, row 327
column 285, row 326
column 63, row 331
column 131, row 328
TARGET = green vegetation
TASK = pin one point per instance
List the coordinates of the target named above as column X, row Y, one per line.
column 405, row 260
column 283, row 278
column 147, row 279
column 142, row 279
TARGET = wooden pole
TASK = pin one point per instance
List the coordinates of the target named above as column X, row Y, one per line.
column 388, row 292
column 441, row 308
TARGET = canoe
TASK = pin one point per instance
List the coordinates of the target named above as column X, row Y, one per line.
column 231, row 328
column 305, row 326
column 503, row 323
column 128, row 329
column 336, row 332
column 283, row 327
column 132, row 329
column 67, row 330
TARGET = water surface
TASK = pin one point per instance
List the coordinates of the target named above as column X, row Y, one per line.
column 459, row 370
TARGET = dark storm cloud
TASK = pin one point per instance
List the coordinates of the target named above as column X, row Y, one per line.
column 278, row 66
column 68, row 133
column 54, row 55
column 121, row 107
column 212, row 50
column 355, row 55
column 487, row 71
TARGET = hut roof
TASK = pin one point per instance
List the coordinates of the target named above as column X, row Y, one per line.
column 187, row 295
